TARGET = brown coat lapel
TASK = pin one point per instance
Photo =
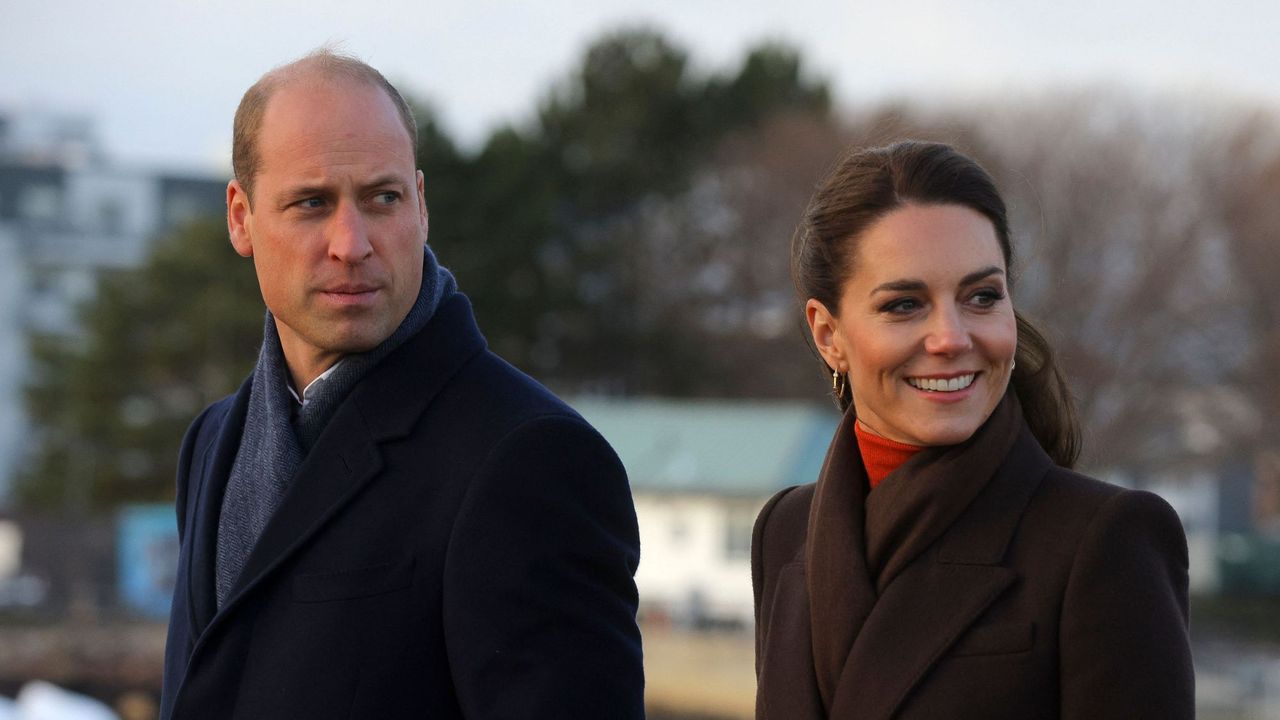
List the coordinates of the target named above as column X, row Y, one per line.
column 925, row 600
column 939, row 594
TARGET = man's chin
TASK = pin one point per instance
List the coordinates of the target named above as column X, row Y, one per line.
column 360, row 341
column 350, row 333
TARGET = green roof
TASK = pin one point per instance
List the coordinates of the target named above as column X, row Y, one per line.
column 714, row 446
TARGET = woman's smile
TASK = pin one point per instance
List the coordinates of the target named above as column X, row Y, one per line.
column 942, row 384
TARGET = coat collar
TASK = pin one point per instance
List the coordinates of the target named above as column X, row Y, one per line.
column 382, row 407
column 907, row 630
column 199, row 552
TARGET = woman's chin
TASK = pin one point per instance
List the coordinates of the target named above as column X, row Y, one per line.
column 945, row 433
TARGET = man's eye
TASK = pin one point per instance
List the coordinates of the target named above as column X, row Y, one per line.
column 386, row 198
column 311, row 203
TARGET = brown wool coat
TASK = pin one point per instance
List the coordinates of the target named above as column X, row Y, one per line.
column 1052, row 595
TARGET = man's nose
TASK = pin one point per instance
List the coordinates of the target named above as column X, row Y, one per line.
column 948, row 333
column 349, row 235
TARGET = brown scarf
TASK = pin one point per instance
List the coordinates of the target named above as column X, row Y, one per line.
column 859, row 542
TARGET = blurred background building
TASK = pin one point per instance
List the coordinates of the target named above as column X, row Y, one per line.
column 700, row 471
column 68, row 214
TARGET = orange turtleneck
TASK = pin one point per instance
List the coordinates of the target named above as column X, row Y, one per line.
column 881, row 455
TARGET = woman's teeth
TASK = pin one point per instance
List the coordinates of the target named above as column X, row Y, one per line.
column 943, row 384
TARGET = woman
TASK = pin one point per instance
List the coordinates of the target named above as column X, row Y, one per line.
column 946, row 563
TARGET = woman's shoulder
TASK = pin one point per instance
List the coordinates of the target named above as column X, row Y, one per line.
column 788, row 501
column 1094, row 511
column 1070, row 490
column 782, row 525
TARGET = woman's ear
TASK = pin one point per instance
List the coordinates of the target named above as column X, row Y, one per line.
column 822, row 325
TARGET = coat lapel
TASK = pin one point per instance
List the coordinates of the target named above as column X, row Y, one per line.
column 916, row 619
column 347, row 456
column 344, row 458
column 936, row 598
column 840, row 590
column 207, row 482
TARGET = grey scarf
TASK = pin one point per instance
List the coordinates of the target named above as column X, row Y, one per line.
column 276, row 439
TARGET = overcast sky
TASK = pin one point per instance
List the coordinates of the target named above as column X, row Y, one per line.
column 161, row 79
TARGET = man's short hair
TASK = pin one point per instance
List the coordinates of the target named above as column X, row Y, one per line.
column 324, row 63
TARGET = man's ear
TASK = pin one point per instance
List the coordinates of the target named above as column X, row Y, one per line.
column 239, row 219
column 822, row 324
column 422, row 200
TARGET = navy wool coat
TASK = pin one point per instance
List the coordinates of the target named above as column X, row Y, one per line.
column 458, row 543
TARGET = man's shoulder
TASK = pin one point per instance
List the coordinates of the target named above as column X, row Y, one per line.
column 491, row 387
column 448, row 369
column 495, row 425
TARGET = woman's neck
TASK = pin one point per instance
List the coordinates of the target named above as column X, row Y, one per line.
column 881, row 455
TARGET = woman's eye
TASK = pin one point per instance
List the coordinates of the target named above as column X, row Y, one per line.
column 901, row 306
column 987, row 298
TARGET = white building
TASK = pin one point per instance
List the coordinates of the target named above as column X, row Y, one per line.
column 700, row 471
column 66, row 215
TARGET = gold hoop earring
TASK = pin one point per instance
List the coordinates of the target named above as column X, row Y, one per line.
column 838, row 383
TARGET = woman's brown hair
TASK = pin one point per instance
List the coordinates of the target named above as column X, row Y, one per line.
column 870, row 183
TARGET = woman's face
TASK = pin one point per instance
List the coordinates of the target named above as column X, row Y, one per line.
column 925, row 327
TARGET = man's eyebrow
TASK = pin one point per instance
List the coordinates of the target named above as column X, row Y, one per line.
column 301, row 191
column 289, row 196
column 384, row 180
column 910, row 285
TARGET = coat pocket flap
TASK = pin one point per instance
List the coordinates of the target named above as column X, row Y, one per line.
column 996, row 639
column 354, row 583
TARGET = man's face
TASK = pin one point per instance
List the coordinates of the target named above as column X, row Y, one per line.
column 338, row 220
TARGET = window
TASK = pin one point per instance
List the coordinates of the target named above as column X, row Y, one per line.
column 111, row 217
column 739, row 520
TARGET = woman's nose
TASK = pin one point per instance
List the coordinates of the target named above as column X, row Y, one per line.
column 948, row 334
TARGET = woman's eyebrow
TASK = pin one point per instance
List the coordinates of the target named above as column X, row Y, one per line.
column 977, row 275
column 900, row 286
column 912, row 285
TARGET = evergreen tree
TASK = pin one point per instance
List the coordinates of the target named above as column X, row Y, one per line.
column 158, row 344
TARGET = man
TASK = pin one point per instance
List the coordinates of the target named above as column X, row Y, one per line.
column 387, row 520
